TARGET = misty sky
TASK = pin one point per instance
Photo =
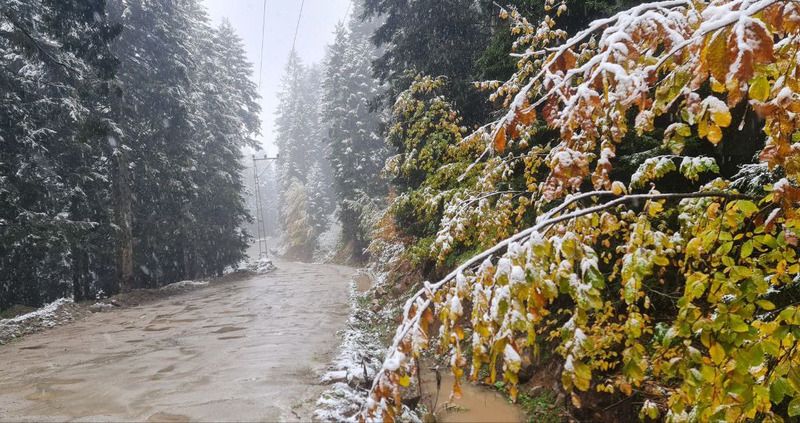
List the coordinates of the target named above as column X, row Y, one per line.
column 316, row 31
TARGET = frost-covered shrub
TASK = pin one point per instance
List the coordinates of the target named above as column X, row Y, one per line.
column 683, row 300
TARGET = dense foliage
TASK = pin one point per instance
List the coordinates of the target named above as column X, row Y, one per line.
column 304, row 169
column 354, row 128
column 674, row 284
column 433, row 37
column 121, row 130
column 55, row 76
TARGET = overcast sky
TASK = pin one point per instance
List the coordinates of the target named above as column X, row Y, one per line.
column 316, row 31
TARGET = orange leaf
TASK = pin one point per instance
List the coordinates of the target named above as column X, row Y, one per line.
column 500, row 140
column 773, row 16
column 527, row 116
column 564, row 61
column 626, row 388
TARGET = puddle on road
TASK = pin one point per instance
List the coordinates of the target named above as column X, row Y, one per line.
column 34, row 347
column 44, row 392
column 168, row 418
column 227, row 329
column 477, row 403
column 363, row 282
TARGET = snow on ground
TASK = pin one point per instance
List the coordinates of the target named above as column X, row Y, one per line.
column 55, row 313
column 263, row 266
column 328, row 241
column 177, row 286
column 361, row 351
column 45, row 313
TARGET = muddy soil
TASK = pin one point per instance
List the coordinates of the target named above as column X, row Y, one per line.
column 247, row 350
column 477, row 403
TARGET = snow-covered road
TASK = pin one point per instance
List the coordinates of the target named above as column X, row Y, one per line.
column 241, row 351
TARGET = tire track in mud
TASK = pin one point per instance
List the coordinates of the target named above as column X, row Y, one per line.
column 249, row 350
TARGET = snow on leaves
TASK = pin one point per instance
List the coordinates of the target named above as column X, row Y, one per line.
column 674, row 298
column 653, row 58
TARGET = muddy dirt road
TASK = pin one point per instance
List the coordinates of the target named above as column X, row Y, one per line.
column 241, row 351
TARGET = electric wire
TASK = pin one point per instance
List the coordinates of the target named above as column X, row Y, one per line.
column 263, row 36
column 297, row 27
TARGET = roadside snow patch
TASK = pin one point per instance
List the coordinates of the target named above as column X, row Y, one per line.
column 44, row 313
column 183, row 285
column 361, row 352
column 53, row 314
column 264, row 265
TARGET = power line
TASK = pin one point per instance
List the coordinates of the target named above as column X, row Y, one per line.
column 261, row 57
column 347, row 13
column 297, row 28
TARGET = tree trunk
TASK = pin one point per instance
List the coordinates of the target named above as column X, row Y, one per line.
column 123, row 218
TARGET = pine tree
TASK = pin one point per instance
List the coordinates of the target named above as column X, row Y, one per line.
column 303, row 154
column 229, row 107
column 357, row 152
column 496, row 62
column 435, row 38
column 54, row 69
column 188, row 108
column 111, row 180
column 291, row 123
column 158, row 119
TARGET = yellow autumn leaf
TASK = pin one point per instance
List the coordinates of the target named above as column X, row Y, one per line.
column 722, row 118
column 717, row 353
column 404, row 381
column 765, row 305
column 715, row 55
column 576, row 401
column 759, row 88
column 716, row 86
column 714, row 134
column 456, row 394
column 655, row 208
column 626, row 388
column 618, row 188
column 702, row 128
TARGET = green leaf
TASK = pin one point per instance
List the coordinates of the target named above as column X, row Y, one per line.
column 724, row 249
column 695, row 285
column 747, row 207
column 794, row 407
column 777, row 390
column 738, row 325
column 583, row 375
column 765, row 305
column 747, row 249
column 683, row 130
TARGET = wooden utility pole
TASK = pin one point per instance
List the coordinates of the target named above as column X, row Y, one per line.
column 261, row 225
